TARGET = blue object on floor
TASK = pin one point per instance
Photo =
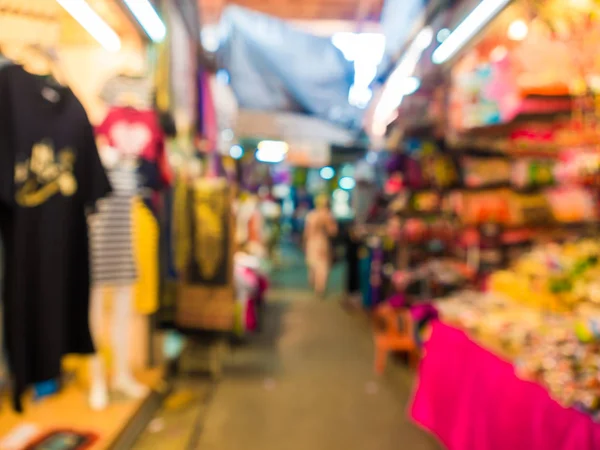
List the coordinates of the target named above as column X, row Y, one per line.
column 45, row 389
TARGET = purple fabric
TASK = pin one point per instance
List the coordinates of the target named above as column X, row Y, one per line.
column 395, row 163
column 398, row 301
column 376, row 276
column 472, row 400
column 251, row 316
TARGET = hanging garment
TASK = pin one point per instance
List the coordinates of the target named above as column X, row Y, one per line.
column 3, row 374
column 138, row 133
column 111, row 233
column 182, row 225
column 211, row 243
column 50, row 174
column 146, row 235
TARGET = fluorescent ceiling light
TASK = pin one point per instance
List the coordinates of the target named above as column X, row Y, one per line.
column 93, row 23
column 236, row 151
column 327, row 173
column 271, row 151
column 148, row 18
column 401, row 82
column 341, row 196
column 273, row 146
column 517, row 31
column 410, row 86
column 366, row 51
column 467, row 29
column 443, row 35
column 266, row 157
column 347, row 183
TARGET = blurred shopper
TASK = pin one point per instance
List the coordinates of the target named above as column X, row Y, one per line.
column 319, row 228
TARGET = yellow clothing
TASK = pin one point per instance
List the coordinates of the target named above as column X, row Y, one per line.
column 182, row 230
column 145, row 242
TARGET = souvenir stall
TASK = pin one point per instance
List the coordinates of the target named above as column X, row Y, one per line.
column 84, row 160
column 514, row 366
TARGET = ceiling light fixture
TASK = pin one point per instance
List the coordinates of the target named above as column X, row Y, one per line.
column 148, row 18
column 401, row 82
column 467, row 29
column 442, row 35
column 347, row 183
column 518, row 30
column 89, row 19
column 236, row 151
column 327, row 173
column 271, row 151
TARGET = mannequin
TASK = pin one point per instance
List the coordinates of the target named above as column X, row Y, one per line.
column 115, row 271
column 250, row 225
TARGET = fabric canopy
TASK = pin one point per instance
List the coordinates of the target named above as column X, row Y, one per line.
column 276, row 67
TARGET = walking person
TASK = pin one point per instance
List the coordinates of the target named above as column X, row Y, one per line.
column 319, row 228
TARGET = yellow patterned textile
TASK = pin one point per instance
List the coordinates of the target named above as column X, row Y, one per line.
column 181, row 234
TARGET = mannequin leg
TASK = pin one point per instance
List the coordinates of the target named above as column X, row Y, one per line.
column 98, row 398
column 311, row 276
column 321, row 276
column 123, row 380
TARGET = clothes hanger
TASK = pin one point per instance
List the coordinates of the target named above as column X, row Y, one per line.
column 50, row 56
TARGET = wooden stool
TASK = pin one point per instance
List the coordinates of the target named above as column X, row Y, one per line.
column 394, row 332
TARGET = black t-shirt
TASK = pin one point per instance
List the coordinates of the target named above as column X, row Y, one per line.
column 50, row 173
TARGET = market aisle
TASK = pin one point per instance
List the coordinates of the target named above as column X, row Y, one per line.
column 307, row 383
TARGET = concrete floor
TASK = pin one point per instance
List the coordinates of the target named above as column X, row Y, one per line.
column 309, row 384
column 305, row 383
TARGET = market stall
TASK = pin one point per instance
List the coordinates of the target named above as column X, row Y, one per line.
column 494, row 124
column 81, row 187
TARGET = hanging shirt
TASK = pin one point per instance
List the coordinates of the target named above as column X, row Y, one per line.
column 3, row 63
column 138, row 133
column 50, row 174
column 111, row 231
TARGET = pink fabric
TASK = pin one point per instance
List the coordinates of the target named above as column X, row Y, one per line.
column 472, row 400
column 251, row 316
column 252, row 280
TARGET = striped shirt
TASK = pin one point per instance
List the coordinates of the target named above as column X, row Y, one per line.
column 111, row 234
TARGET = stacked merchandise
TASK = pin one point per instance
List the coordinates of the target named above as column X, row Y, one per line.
column 543, row 315
column 499, row 368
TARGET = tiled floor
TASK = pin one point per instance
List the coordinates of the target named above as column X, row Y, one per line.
column 305, row 383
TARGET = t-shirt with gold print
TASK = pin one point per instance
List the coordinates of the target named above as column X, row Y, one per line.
column 50, row 175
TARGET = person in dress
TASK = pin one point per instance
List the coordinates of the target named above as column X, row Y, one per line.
column 319, row 228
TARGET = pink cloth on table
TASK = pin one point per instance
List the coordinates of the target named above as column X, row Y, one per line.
column 472, row 400
column 422, row 311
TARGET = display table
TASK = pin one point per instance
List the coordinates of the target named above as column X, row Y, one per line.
column 69, row 410
column 472, row 399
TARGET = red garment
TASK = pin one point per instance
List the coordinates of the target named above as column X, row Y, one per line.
column 137, row 132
